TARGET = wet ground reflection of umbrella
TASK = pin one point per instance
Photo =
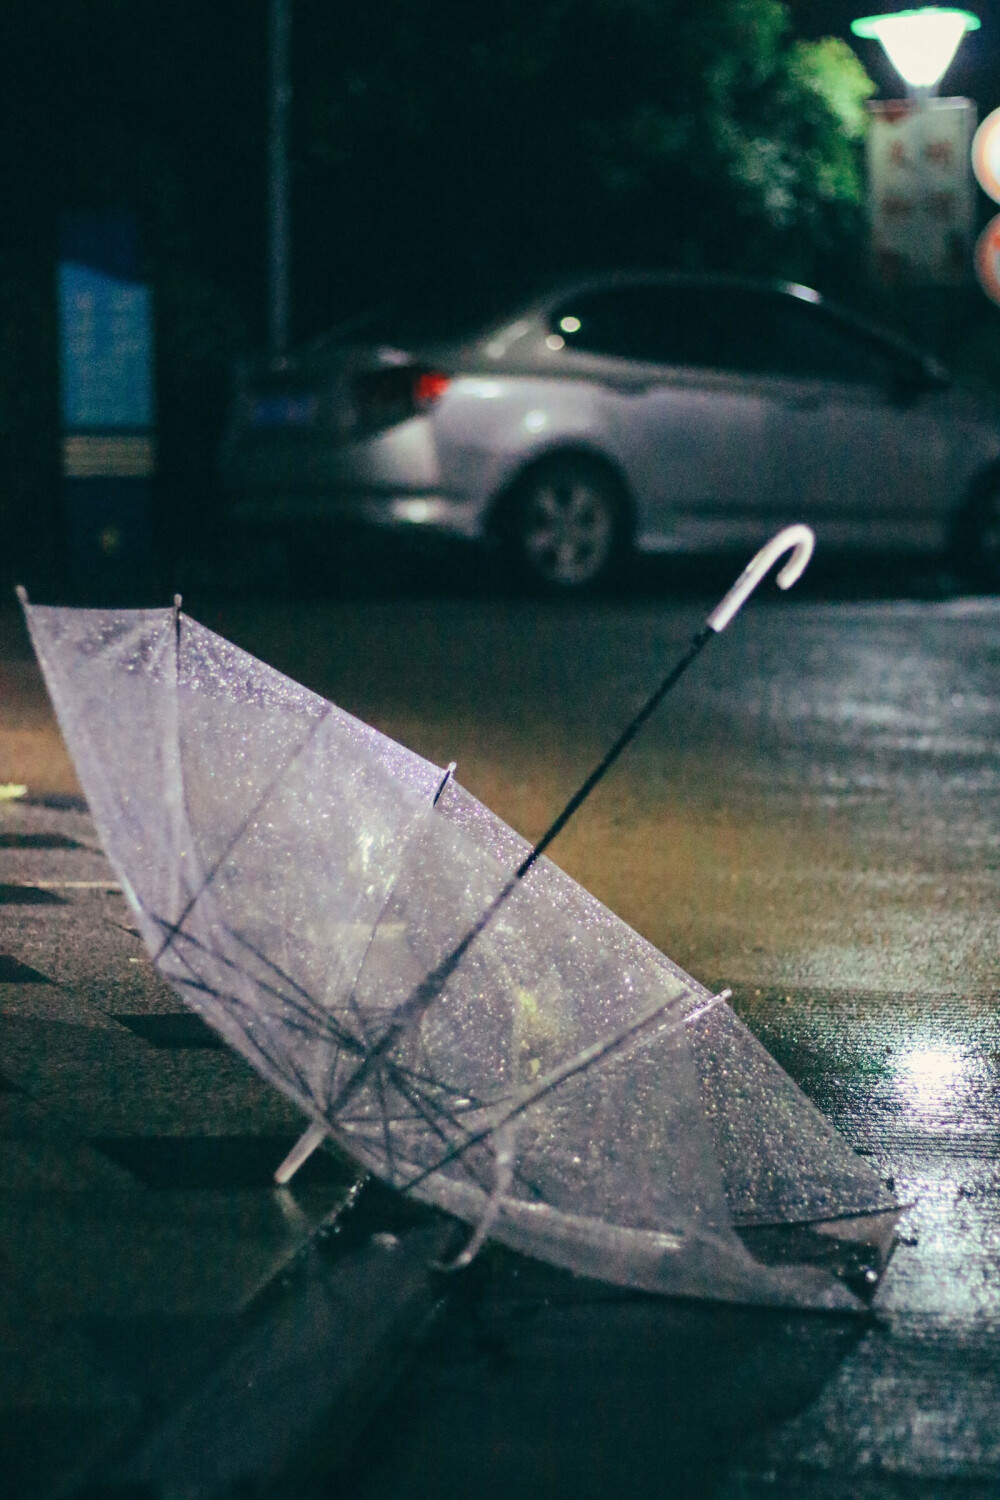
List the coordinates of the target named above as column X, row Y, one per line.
column 455, row 1011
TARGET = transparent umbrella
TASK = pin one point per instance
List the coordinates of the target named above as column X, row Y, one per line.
column 459, row 1015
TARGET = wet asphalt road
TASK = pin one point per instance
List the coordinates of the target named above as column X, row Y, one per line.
column 814, row 820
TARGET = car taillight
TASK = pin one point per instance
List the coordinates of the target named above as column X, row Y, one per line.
column 429, row 387
column 386, row 396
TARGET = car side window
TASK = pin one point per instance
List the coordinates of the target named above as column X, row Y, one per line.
column 742, row 330
column 760, row 332
column 807, row 342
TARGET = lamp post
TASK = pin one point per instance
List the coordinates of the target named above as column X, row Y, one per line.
column 920, row 195
column 278, row 181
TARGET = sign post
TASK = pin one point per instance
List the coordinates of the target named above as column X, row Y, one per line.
column 920, row 193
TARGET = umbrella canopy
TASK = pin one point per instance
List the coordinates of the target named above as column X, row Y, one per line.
column 306, row 883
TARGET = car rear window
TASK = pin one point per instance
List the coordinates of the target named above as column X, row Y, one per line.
column 435, row 315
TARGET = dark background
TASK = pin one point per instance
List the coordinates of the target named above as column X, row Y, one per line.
column 460, row 143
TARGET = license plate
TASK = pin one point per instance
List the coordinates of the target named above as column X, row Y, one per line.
column 284, row 411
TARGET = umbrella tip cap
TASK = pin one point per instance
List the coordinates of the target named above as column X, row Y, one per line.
column 22, row 593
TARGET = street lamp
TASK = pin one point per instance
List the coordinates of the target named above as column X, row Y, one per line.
column 920, row 194
column 920, row 43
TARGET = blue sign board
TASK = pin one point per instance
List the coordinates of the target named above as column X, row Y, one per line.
column 106, row 365
column 107, row 350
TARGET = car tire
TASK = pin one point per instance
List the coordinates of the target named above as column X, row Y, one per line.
column 976, row 548
column 564, row 528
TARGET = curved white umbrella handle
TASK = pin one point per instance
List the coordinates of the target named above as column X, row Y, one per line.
column 799, row 540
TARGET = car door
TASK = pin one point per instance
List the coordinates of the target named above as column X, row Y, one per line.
column 693, row 428
column 864, row 451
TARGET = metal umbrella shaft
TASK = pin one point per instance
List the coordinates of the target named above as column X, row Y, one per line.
column 799, row 540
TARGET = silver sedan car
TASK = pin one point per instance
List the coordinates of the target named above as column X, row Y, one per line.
column 650, row 412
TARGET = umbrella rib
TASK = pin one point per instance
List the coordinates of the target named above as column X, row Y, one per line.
column 281, row 1061
column 419, row 1104
column 399, row 1116
column 390, row 1155
column 431, row 986
column 462, row 1094
column 447, row 1088
column 322, row 1021
column 431, row 1112
column 559, row 1074
column 315, row 1020
column 429, row 1105
column 320, row 1014
column 405, row 1085
column 235, row 1004
column 414, row 1097
column 503, row 1177
column 422, row 996
column 175, row 927
column 422, row 1085
column 391, row 892
column 276, row 968
column 236, row 1008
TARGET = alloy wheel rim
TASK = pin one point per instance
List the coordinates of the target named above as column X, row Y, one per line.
column 568, row 532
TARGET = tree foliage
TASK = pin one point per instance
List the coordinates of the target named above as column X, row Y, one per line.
column 485, row 134
column 581, row 131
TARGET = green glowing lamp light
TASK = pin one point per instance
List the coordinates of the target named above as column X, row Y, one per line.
column 920, row 43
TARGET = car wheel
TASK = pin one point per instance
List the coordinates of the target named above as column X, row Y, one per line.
column 566, row 526
column 977, row 541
